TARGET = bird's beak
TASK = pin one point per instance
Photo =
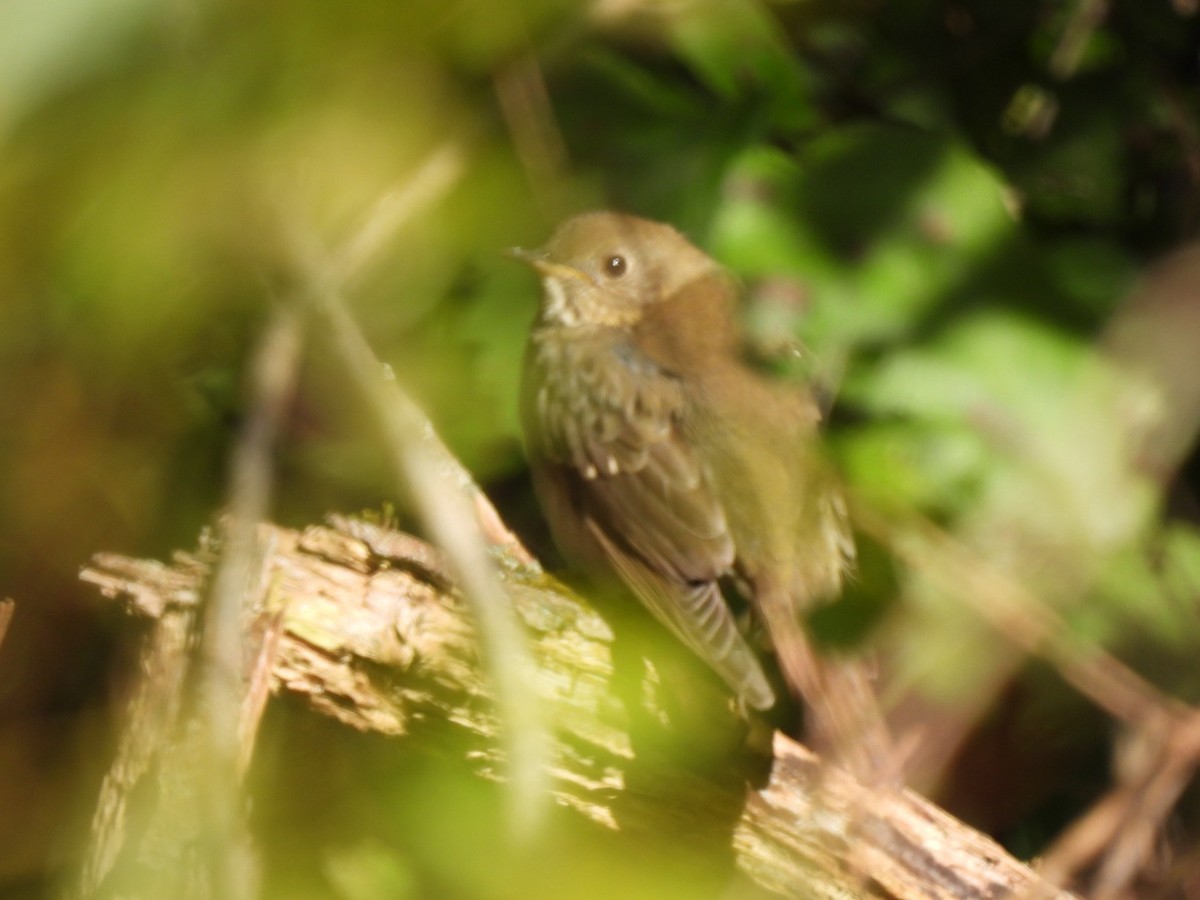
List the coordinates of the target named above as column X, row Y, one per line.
column 544, row 266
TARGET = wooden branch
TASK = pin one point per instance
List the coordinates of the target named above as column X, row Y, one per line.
column 167, row 596
column 369, row 631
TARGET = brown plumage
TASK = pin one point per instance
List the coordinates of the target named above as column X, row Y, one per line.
column 659, row 455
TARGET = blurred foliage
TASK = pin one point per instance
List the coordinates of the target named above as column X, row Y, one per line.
column 945, row 200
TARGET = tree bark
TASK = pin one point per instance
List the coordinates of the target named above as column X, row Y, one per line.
column 363, row 625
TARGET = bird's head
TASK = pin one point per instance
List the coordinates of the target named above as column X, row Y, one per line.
column 607, row 269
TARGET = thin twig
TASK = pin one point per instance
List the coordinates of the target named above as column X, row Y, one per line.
column 1087, row 837
column 1087, row 16
column 273, row 378
column 1162, row 782
column 1018, row 614
column 449, row 502
column 440, row 170
column 525, row 104
column 450, row 518
column 1121, row 828
column 7, row 608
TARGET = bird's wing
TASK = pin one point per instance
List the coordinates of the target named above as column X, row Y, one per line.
column 697, row 614
column 649, row 502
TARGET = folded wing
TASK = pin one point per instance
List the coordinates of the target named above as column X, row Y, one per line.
column 649, row 504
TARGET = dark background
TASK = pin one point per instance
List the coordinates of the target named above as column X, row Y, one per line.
column 947, row 203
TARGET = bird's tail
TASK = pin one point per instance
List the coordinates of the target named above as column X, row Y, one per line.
column 843, row 720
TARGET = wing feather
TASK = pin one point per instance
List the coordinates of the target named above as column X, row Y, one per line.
column 698, row 616
column 615, row 423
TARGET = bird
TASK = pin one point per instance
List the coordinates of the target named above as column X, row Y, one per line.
column 660, row 455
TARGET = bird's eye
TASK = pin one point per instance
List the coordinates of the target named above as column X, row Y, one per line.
column 615, row 266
